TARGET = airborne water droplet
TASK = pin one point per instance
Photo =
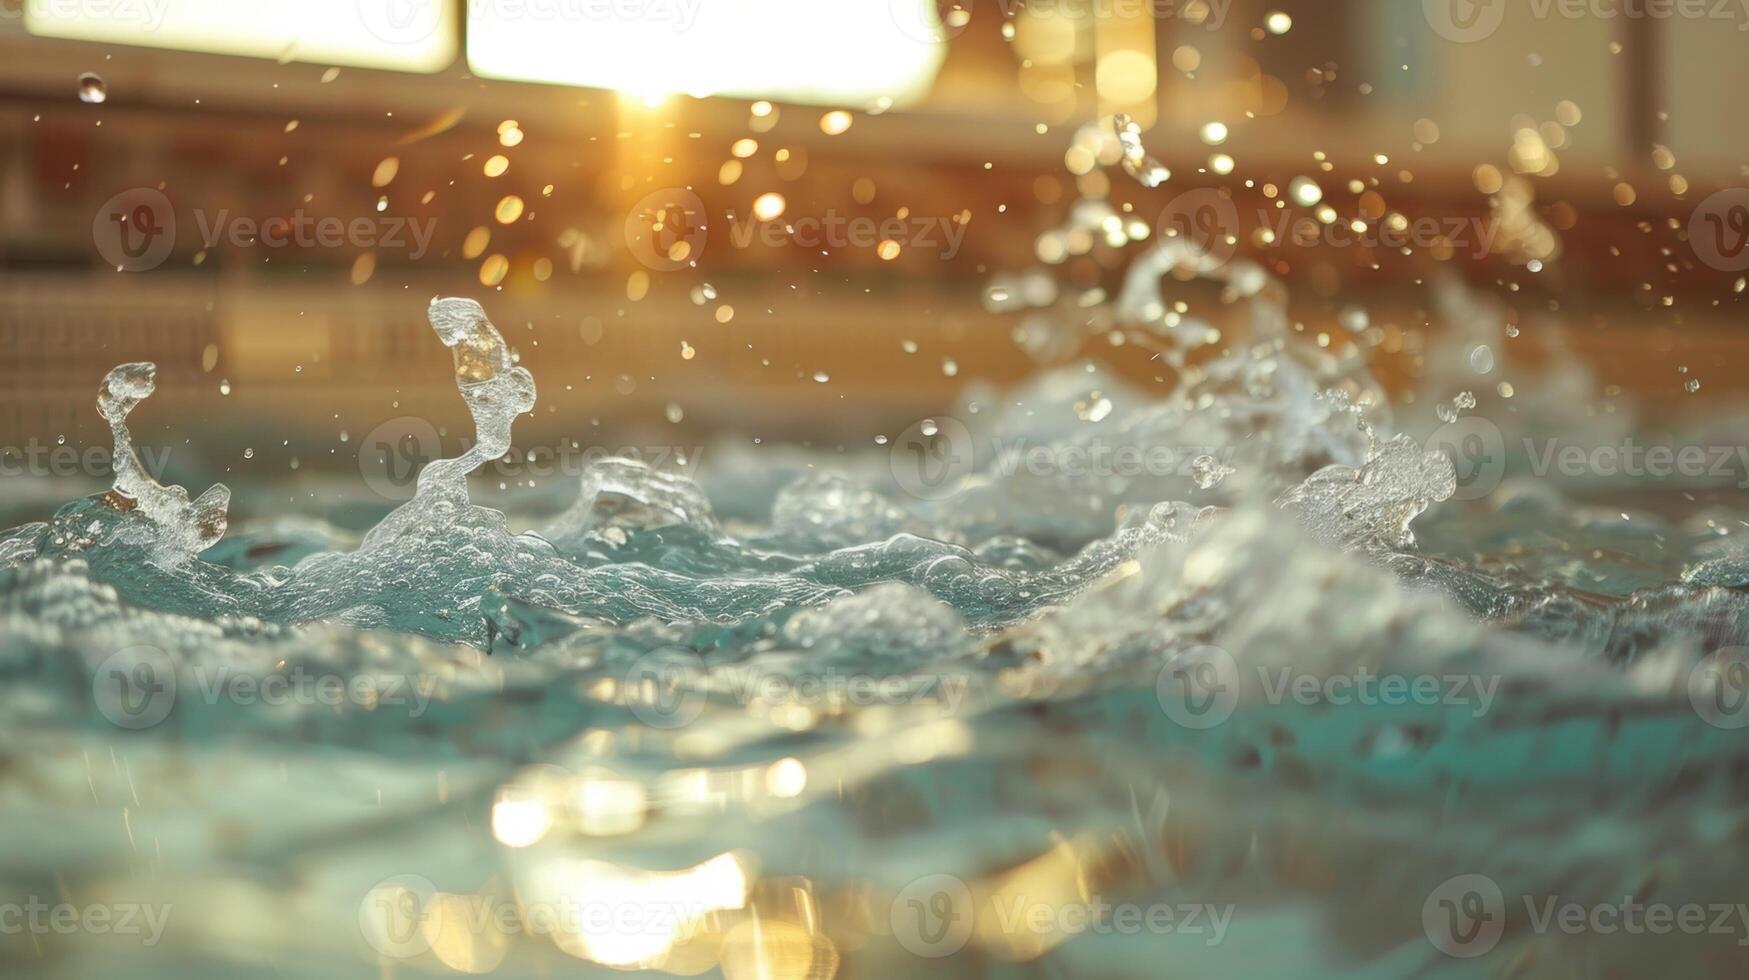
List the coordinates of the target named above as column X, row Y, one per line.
column 92, row 89
column 1482, row 359
column 1208, row 472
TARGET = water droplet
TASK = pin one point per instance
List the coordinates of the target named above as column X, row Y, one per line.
column 1482, row 359
column 92, row 89
column 769, row 207
column 248, row 454
column 822, row 377
column 1305, row 191
column 674, row 413
column 1208, row 472
column 1693, row 385
column 949, row 366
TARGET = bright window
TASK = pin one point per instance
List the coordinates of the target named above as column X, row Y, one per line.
column 409, row 35
column 828, row 52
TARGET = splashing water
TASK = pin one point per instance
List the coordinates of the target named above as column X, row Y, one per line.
column 790, row 728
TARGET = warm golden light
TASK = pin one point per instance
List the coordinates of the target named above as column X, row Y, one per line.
column 822, row 52
column 367, row 33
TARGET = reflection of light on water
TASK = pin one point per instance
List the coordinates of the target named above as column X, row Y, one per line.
column 777, row 950
column 629, row 918
column 606, row 806
column 787, row 778
column 452, row 927
column 596, row 802
column 518, row 821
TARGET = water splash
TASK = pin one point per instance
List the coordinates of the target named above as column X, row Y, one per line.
column 580, row 689
column 173, row 527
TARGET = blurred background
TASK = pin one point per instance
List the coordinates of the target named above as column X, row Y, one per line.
column 770, row 221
